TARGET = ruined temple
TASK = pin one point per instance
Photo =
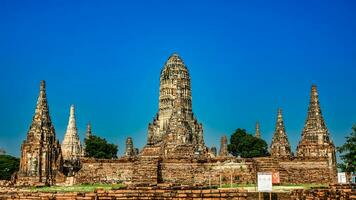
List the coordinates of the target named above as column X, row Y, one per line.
column 41, row 159
column 257, row 130
column 316, row 142
column 223, row 147
column 175, row 153
column 175, row 131
column 71, row 147
column 280, row 146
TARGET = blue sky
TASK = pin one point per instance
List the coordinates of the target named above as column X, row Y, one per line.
column 246, row 59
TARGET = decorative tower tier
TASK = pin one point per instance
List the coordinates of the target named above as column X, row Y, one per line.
column 41, row 158
column 280, row 146
column 316, row 142
column 175, row 131
column 71, row 147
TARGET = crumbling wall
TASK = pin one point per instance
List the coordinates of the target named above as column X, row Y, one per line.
column 299, row 170
column 134, row 193
column 124, row 170
column 207, row 172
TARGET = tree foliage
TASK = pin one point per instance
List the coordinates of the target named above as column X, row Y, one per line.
column 348, row 152
column 8, row 165
column 246, row 145
column 97, row 147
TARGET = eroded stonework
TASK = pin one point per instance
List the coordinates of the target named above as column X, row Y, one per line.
column 280, row 146
column 316, row 142
column 175, row 131
column 41, row 159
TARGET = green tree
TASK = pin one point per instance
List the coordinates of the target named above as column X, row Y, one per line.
column 246, row 145
column 97, row 147
column 8, row 165
column 348, row 152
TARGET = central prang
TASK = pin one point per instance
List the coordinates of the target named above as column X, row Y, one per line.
column 175, row 131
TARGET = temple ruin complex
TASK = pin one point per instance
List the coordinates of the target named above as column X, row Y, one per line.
column 175, row 152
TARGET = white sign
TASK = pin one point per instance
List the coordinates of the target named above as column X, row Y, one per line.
column 264, row 181
column 341, row 177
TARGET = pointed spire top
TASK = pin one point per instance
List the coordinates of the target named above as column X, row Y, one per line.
column 72, row 110
column 43, row 85
column 314, row 95
column 175, row 59
column 41, row 112
column 258, row 133
column 89, row 133
column 279, row 116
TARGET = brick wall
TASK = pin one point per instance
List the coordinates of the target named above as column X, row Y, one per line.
column 123, row 170
column 137, row 193
column 153, row 170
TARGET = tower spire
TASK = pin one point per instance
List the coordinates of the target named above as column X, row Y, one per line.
column 315, row 140
column 88, row 133
column 71, row 147
column 41, row 117
column 315, row 130
column 258, row 132
column 40, row 152
column 280, row 146
column 223, row 147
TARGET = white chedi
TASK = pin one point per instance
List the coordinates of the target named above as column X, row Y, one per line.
column 71, row 147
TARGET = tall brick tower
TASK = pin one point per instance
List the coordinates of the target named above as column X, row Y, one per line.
column 316, row 142
column 175, row 126
column 41, row 158
column 280, row 146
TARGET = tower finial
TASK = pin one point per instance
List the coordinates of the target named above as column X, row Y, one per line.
column 258, row 132
column 279, row 116
column 43, row 86
column 72, row 109
column 88, row 133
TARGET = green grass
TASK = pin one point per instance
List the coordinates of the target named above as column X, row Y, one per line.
column 77, row 188
column 277, row 188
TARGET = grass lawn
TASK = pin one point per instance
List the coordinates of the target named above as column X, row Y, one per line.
column 276, row 188
column 77, row 188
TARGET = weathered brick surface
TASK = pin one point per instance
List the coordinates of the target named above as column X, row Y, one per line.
column 126, row 170
column 342, row 192
column 143, row 193
column 148, row 170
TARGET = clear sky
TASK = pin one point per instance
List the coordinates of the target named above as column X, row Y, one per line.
column 246, row 59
